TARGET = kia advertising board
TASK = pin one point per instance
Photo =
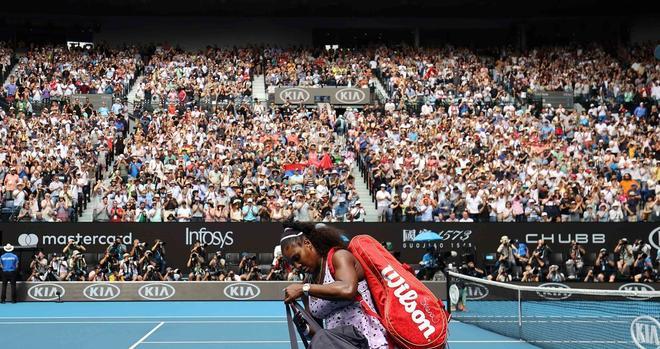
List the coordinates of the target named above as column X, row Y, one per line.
column 161, row 291
column 314, row 95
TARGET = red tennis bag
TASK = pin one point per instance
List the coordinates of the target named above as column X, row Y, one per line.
column 412, row 315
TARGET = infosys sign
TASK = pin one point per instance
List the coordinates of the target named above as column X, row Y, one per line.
column 313, row 95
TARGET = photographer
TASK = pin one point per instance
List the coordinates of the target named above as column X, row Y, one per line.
column 253, row 275
column 59, row 268
column 200, row 249
column 78, row 267
column 506, row 257
column 554, row 275
column 280, row 270
column 541, row 257
column 468, row 269
column 575, row 262
column 39, row 267
column 138, row 249
column 604, row 269
column 117, row 248
column 196, row 265
column 172, row 274
column 217, row 267
column 71, row 247
column 151, row 274
column 626, row 258
column 128, row 269
column 642, row 264
column 158, row 250
column 246, row 264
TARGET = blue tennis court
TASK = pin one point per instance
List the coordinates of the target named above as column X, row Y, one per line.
column 177, row 325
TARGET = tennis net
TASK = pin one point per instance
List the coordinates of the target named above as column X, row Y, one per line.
column 558, row 317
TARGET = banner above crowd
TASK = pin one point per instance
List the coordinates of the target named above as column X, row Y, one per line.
column 477, row 239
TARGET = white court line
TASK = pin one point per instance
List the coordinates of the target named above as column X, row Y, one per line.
column 138, row 322
column 143, row 317
column 546, row 321
column 146, row 335
column 450, row 342
column 548, row 316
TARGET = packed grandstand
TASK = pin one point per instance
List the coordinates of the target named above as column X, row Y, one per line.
column 451, row 134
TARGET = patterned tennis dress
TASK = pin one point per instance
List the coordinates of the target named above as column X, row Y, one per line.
column 345, row 313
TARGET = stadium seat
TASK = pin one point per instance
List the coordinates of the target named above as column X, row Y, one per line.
column 590, row 259
column 516, row 272
column 265, row 258
column 232, row 258
column 558, row 259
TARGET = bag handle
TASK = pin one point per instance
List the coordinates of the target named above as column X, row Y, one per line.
column 313, row 325
column 309, row 319
column 292, row 330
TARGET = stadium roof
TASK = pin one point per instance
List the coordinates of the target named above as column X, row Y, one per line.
column 332, row 8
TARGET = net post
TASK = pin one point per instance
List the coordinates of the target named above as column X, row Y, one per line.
column 519, row 315
column 447, row 286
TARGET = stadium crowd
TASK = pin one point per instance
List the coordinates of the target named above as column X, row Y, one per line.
column 459, row 139
column 317, row 68
column 479, row 149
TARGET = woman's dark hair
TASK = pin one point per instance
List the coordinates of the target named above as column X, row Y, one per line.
column 323, row 237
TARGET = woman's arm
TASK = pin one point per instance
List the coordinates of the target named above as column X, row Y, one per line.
column 346, row 279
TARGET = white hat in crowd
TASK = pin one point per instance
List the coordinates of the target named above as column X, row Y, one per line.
column 8, row 248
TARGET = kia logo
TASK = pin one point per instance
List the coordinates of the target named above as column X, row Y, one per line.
column 28, row 239
column 644, row 332
column 242, row 291
column 101, row 292
column 550, row 295
column 654, row 238
column 350, row 95
column 156, row 292
column 476, row 291
column 636, row 287
column 294, row 95
column 46, row 292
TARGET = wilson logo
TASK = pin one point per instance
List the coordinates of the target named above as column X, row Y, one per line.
column 46, row 292
column 550, row 295
column 242, row 291
column 294, row 95
column 644, row 332
column 407, row 298
column 476, row 291
column 101, row 292
column 350, row 95
column 635, row 287
column 156, row 292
